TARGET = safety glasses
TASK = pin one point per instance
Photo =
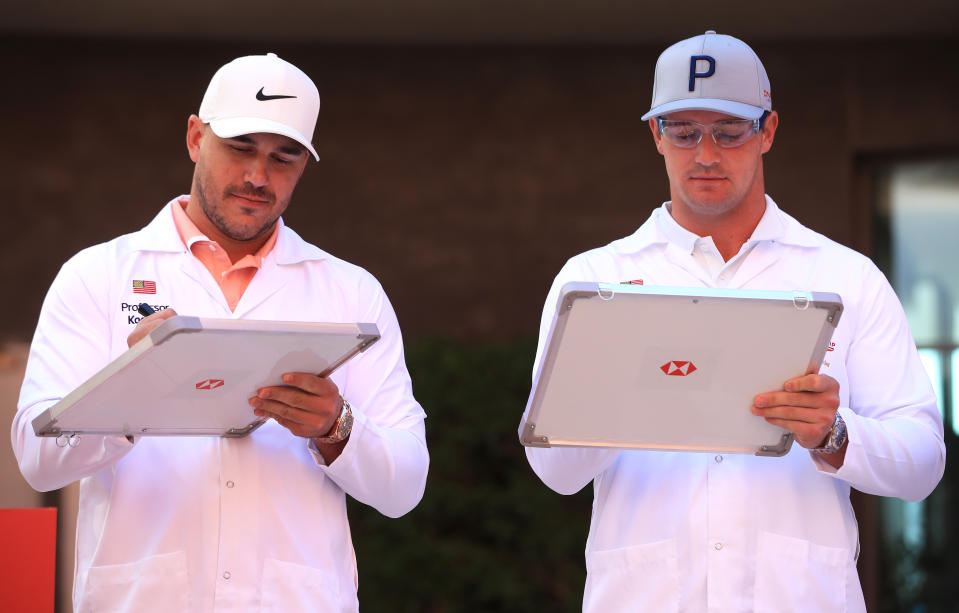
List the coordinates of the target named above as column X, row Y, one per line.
column 727, row 133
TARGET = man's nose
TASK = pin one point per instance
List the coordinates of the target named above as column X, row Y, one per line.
column 255, row 172
column 707, row 151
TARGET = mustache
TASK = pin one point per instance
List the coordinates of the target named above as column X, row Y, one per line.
column 260, row 193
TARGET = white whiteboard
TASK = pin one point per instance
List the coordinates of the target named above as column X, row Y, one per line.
column 194, row 376
column 673, row 368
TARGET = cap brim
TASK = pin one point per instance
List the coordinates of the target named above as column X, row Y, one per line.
column 236, row 126
column 736, row 109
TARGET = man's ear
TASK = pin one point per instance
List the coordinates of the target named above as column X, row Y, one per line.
column 768, row 132
column 195, row 131
column 657, row 137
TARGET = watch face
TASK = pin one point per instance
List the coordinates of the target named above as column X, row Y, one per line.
column 346, row 426
column 836, row 438
column 342, row 427
column 840, row 437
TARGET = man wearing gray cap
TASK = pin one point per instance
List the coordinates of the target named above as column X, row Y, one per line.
column 215, row 524
column 679, row 531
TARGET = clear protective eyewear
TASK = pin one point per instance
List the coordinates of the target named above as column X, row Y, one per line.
column 727, row 133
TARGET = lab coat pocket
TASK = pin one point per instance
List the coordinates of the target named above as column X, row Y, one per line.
column 794, row 575
column 294, row 587
column 640, row 578
column 154, row 584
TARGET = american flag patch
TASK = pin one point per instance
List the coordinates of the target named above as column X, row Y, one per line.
column 144, row 287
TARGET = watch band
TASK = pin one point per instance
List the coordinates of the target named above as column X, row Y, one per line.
column 836, row 438
column 341, row 427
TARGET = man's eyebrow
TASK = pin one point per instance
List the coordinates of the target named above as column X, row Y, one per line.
column 295, row 150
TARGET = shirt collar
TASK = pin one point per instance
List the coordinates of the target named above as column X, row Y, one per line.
column 190, row 235
column 771, row 226
column 775, row 226
column 185, row 227
column 161, row 235
column 674, row 233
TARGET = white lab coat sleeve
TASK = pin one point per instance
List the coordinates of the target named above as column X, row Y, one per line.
column 893, row 423
column 71, row 344
column 565, row 470
column 385, row 461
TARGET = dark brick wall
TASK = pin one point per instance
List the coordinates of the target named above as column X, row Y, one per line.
column 462, row 177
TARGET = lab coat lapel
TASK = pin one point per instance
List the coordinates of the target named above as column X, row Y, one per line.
column 161, row 236
column 759, row 258
column 278, row 270
column 194, row 270
column 697, row 276
column 267, row 281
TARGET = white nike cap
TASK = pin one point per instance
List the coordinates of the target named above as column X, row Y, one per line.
column 262, row 93
column 711, row 72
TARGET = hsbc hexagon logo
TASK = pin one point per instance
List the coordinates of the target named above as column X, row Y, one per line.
column 677, row 368
column 209, row 384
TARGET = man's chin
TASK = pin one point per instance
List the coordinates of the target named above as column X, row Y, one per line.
column 244, row 237
column 711, row 207
column 246, row 234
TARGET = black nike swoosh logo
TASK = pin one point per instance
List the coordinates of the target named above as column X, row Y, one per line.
column 261, row 96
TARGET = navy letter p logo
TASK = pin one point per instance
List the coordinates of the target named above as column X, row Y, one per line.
column 693, row 75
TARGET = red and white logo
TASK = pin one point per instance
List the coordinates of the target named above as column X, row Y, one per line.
column 209, row 384
column 678, row 368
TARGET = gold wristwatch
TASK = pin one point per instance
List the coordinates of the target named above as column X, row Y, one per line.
column 341, row 427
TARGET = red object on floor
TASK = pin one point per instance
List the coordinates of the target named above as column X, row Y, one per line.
column 28, row 559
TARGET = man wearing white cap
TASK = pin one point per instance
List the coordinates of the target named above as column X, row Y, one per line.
column 210, row 524
column 674, row 531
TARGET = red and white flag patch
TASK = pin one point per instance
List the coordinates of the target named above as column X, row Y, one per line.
column 144, row 287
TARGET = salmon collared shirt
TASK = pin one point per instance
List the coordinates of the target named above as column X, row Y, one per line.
column 233, row 278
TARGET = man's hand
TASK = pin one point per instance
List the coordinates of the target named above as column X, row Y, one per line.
column 807, row 408
column 307, row 406
column 147, row 324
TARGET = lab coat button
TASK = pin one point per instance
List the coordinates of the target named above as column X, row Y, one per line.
column 227, row 575
column 718, row 546
column 229, row 484
column 718, row 459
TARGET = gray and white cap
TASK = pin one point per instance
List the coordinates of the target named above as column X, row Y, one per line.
column 710, row 72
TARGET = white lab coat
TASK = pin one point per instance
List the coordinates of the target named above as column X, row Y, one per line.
column 697, row 532
column 208, row 524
